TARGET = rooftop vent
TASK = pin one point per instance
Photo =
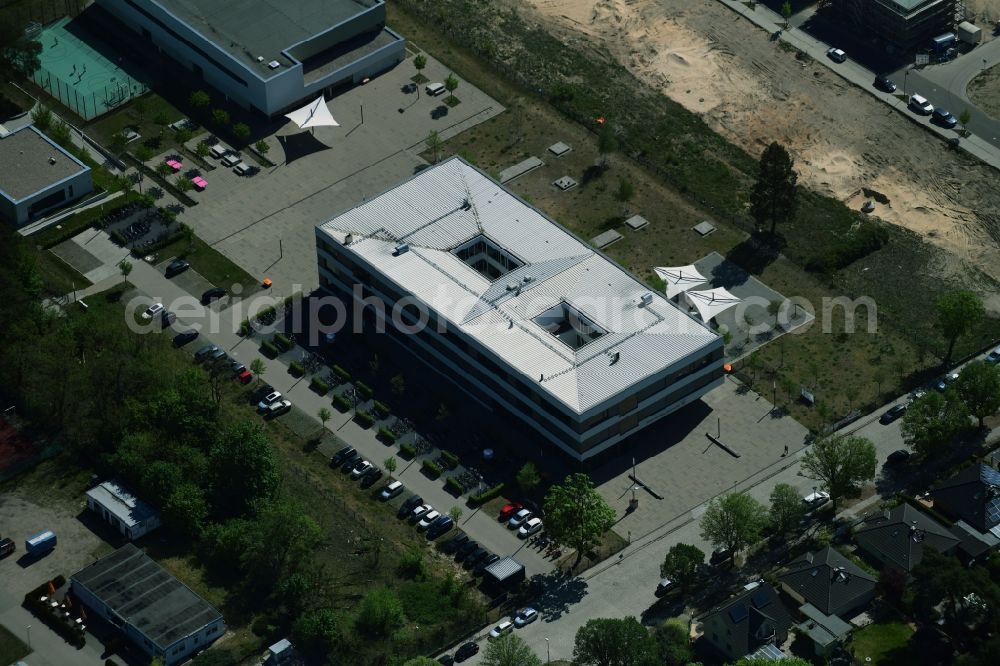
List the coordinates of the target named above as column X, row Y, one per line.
column 274, row 64
column 348, row 239
column 52, row 160
column 644, row 300
column 400, row 249
column 613, row 357
column 526, row 279
column 466, row 204
column 260, row 58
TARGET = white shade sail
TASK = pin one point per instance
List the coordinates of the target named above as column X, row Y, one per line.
column 680, row 278
column 712, row 302
column 314, row 114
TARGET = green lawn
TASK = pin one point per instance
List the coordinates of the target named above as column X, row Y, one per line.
column 884, row 643
column 12, row 648
column 210, row 264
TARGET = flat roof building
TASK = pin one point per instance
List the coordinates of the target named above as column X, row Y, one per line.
column 37, row 175
column 269, row 55
column 519, row 313
column 902, row 25
column 122, row 510
column 156, row 611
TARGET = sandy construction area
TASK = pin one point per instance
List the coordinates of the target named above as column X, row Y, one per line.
column 750, row 90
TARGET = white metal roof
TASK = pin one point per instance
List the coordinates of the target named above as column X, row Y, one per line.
column 452, row 202
column 125, row 506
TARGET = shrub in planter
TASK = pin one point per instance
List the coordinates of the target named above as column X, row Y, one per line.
column 117, row 238
column 364, row 389
column 452, row 484
column 431, row 468
column 381, row 409
column 364, row 419
column 282, row 341
column 296, row 368
column 268, row 349
column 319, row 386
column 386, row 435
column 407, row 450
column 343, row 374
column 245, row 328
column 486, row 495
column 341, row 403
column 449, row 459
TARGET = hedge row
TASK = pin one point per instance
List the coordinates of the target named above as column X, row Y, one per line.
column 487, row 495
column 452, row 484
column 386, row 435
column 381, row 409
column 319, row 385
column 282, row 341
column 365, row 390
column 343, row 374
column 341, row 403
column 296, row 368
column 364, row 418
column 450, row 459
column 407, row 450
column 432, row 468
column 268, row 349
column 157, row 246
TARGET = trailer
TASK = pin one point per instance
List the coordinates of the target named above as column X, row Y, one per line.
column 942, row 43
column 41, row 543
column 969, row 33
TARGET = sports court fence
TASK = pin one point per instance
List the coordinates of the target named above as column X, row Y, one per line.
column 91, row 103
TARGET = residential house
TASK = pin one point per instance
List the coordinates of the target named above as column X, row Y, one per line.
column 742, row 625
column 898, row 537
column 972, row 499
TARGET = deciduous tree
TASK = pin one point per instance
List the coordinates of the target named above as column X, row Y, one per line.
column 125, row 267
column 841, row 463
column 380, row 612
column 773, row 198
column 434, row 144
column 576, row 515
column 733, row 522
column 683, row 564
column 317, row 632
column 199, row 99
column 978, row 387
column 244, row 471
column 933, row 420
column 509, row 650
column 614, row 642
column 787, row 508
column 528, row 477
column 958, row 312
column 673, row 642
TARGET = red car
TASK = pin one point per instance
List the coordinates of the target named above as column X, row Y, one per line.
column 244, row 377
column 509, row 510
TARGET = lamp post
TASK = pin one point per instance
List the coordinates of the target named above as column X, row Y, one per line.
column 548, row 655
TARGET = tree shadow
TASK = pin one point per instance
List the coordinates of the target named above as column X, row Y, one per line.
column 753, row 255
column 559, row 592
column 439, row 112
column 593, row 172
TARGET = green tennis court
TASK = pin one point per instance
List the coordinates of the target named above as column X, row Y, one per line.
column 78, row 70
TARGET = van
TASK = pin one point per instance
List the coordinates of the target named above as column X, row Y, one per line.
column 435, row 89
column 7, row 546
column 920, row 104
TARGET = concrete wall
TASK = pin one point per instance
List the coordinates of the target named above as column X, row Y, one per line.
column 23, row 211
column 368, row 21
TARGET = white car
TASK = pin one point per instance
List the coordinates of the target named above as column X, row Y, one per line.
column 279, row 407
column 836, row 55
column 152, row 311
column 391, row 490
column 816, row 498
column 501, row 629
column 268, row 400
column 419, row 512
column 921, row 105
column 518, row 519
column 529, row 528
column 361, row 469
column 428, row 518
column 524, row 617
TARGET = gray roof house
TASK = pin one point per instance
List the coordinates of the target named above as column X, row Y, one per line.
column 122, row 510
column 898, row 537
column 752, row 619
column 829, row 581
column 972, row 495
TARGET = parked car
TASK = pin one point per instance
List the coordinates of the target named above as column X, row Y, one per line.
column 360, row 469
column 185, row 337
column 176, row 267
column 408, row 506
column 509, row 510
column 664, row 586
column 244, row 376
column 439, row 527
column 718, row 556
column 533, row 526
column 341, row 455
column 946, row 381
column 7, row 546
column 472, row 559
column 943, row 118
column 213, row 294
column 369, row 478
column 391, row 490
column 519, row 519
column 167, row 318
column 153, row 310
column 465, row 550
column 420, row 512
column 816, row 498
column 236, row 366
column 920, row 104
column 897, row 457
column 446, row 660
column 350, row 462
column 836, row 55
column 485, row 562
column 525, row 616
column 278, row 408
column 501, row 629
column 268, row 400
column 885, row 84
column 455, row 543
column 428, row 518
column 467, row 650
column 993, row 356
column 217, row 355
column 892, row 414
column 203, row 353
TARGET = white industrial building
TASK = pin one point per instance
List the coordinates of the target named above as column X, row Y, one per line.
column 520, row 313
column 122, row 510
column 268, row 55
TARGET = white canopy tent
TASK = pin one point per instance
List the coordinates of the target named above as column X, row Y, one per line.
column 680, row 278
column 314, row 114
column 712, row 302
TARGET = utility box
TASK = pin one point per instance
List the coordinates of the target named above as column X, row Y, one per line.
column 280, row 653
column 42, row 542
column 970, row 34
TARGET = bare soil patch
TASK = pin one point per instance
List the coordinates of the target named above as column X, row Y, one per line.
column 984, row 91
